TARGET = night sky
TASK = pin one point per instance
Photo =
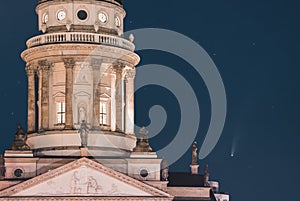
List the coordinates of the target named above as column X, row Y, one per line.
column 255, row 45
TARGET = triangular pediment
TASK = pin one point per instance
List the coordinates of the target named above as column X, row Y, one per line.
column 83, row 177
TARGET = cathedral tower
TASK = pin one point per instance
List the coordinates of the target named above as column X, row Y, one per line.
column 80, row 142
column 83, row 69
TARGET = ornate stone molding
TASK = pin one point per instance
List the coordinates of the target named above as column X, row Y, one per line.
column 32, row 54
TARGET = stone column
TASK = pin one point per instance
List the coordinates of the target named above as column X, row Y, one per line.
column 129, row 101
column 119, row 97
column 31, row 100
column 69, row 64
column 44, row 68
column 96, row 64
column 113, row 102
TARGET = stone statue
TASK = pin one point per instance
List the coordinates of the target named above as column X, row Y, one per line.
column 194, row 154
column 164, row 170
column 20, row 140
column 82, row 114
column 84, row 133
column 142, row 144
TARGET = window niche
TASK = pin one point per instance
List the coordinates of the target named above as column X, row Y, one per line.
column 104, row 111
column 59, row 112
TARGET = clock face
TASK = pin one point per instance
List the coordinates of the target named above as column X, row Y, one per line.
column 61, row 15
column 117, row 22
column 45, row 18
column 102, row 17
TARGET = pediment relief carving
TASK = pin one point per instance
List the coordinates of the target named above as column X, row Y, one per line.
column 83, row 177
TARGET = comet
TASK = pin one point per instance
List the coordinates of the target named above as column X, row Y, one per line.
column 234, row 145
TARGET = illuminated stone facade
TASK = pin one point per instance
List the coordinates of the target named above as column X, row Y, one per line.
column 80, row 142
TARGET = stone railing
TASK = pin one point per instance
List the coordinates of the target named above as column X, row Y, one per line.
column 78, row 37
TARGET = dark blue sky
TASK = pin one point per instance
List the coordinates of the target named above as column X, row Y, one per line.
column 255, row 45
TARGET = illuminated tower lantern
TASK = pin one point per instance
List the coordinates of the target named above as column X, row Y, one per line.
column 80, row 142
column 84, row 71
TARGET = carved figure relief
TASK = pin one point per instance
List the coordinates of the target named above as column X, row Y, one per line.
column 75, row 188
column 93, row 187
column 82, row 186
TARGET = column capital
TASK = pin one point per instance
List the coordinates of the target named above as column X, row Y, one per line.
column 129, row 73
column 118, row 67
column 69, row 62
column 44, row 65
column 30, row 70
